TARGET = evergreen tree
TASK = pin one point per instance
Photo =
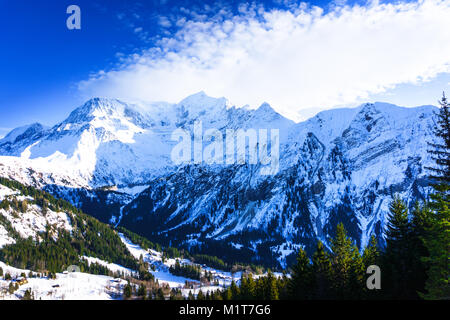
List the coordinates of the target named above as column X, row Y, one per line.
column 420, row 222
column 282, row 284
column 227, row 294
column 272, row 287
column 127, row 291
column 357, row 283
column 200, row 295
column 440, row 149
column 235, row 291
column 301, row 277
column 437, row 239
column 396, row 264
column 11, row 288
column 437, row 243
column 28, row 295
column 341, row 261
column 371, row 255
column 248, row 288
column 142, row 291
column 160, row 294
column 321, row 266
column 216, row 295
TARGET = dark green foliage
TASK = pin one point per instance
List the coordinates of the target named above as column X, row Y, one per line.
column 321, row 267
column 127, row 291
column 437, row 234
column 371, row 254
column 144, row 243
column 159, row 295
column 248, row 287
column 440, row 148
column 211, row 261
column 301, row 278
column 173, row 253
column 12, row 287
column 403, row 265
column 420, row 222
column 176, row 294
column 186, row 270
column 28, row 295
column 142, row 291
column 347, row 266
column 437, row 244
column 200, row 295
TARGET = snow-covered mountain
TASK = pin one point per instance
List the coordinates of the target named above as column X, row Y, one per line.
column 113, row 159
column 39, row 233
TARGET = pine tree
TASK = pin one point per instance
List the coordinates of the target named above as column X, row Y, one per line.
column 248, row 290
column 235, row 291
column 437, row 242
column 301, row 278
column 216, row 295
column 142, row 291
column 227, row 294
column 272, row 288
column 341, row 261
column 160, row 294
column 321, row 266
column 200, row 295
column 127, row 291
column 11, row 288
column 28, row 295
column 357, row 283
column 440, row 150
column 396, row 268
column 437, row 239
column 371, row 255
column 420, row 223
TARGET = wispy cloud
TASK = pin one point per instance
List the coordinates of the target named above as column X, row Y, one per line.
column 296, row 58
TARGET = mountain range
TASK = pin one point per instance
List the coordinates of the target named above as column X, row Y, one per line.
column 113, row 160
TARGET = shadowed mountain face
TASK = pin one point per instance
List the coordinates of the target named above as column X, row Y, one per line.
column 113, row 159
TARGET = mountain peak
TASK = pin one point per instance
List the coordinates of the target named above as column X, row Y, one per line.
column 201, row 100
column 266, row 107
column 23, row 131
column 95, row 107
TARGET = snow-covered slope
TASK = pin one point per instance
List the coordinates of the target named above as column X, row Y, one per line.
column 31, row 221
column 65, row 286
column 342, row 165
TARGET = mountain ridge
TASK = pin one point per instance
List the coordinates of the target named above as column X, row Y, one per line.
column 342, row 165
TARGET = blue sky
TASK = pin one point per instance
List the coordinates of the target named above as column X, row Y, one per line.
column 297, row 57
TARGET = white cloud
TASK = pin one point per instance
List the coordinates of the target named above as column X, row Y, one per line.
column 294, row 59
column 164, row 22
